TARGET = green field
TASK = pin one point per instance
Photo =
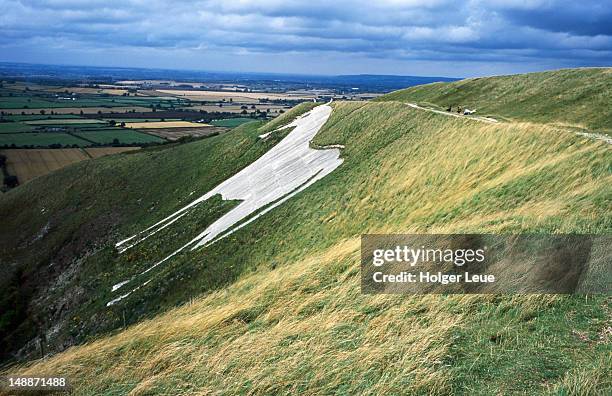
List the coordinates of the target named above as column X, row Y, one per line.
column 276, row 307
column 126, row 136
column 14, row 127
column 230, row 122
column 66, row 122
column 40, row 139
column 40, row 117
column 32, row 102
column 119, row 120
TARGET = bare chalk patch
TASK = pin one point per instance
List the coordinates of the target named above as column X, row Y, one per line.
column 288, row 168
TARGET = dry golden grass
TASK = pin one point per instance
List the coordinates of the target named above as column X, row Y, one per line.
column 305, row 327
column 165, row 124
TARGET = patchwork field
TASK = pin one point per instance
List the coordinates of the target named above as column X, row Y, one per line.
column 97, row 152
column 28, row 164
column 76, row 110
column 230, row 122
column 219, row 95
column 14, row 127
column 177, row 133
column 117, row 135
column 66, row 121
column 164, row 124
column 237, row 108
column 40, row 139
column 30, row 117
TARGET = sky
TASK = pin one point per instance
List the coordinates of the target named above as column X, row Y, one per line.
column 405, row 37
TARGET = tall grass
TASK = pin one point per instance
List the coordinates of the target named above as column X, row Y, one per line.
column 293, row 320
column 578, row 98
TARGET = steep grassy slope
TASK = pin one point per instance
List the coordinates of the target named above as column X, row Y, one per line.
column 295, row 321
column 573, row 97
column 57, row 256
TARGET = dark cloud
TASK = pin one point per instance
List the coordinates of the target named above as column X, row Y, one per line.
column 531, row 32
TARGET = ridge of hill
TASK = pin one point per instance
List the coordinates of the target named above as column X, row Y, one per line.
column 573, row 98
column 279, row 307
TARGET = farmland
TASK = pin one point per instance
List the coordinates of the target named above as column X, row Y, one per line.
column 177, row 133
column 163, row 124
column 230, row 122
column 97, row 152
column 28, row 164
column 281, row 297
column 34, row 139
column 117, row 135
column 81, row 117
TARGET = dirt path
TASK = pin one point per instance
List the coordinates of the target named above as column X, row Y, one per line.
column 489, row 120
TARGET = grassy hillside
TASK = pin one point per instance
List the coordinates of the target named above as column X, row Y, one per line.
column 283, row 312
column 57, row 256
column 580, row 98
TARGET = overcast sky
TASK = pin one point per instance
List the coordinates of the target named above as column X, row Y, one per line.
column 408, row 37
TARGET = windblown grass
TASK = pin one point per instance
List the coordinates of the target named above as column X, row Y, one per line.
column 292, row 318
column 571, row 97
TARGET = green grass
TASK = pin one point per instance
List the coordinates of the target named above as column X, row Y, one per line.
column 578, row 97
column 230, row 122
column 40, row 139
column 125, row 136
column 276, row 307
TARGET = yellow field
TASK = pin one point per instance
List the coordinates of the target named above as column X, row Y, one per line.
column 164, row 124
column 28, row 164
